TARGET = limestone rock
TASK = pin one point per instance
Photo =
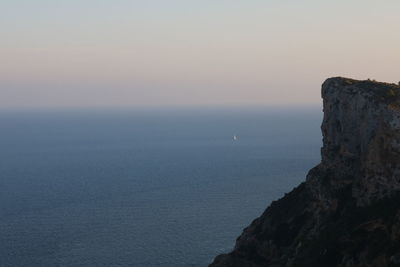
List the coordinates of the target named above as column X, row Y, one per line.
column 347, row 212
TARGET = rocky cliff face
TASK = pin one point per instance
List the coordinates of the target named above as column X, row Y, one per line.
column 347, row 212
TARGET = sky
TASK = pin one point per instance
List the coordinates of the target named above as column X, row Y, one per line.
column 156, row 53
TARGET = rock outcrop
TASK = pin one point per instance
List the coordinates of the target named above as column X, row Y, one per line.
column 347, row 212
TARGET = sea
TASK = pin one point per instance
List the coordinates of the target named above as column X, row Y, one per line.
column 144, row 187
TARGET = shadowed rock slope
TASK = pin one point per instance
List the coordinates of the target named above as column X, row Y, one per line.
column 347, row 212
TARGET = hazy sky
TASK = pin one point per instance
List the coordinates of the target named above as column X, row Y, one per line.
column 95, row 53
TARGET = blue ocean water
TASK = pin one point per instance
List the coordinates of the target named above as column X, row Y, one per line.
column 144, row 187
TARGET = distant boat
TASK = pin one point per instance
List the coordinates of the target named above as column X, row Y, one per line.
column 235, row 138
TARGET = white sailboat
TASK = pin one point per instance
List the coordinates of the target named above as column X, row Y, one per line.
column 235, row 138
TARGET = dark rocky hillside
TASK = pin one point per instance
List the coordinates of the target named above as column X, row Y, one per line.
column 347, row 212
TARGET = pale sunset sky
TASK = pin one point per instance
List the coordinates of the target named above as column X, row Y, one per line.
column 147, row 53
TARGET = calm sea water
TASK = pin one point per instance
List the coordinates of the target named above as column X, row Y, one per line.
column 143, row 188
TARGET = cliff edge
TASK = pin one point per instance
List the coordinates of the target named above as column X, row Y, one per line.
column 347, row 212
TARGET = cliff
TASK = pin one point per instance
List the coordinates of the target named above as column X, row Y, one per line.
column 347, row 212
